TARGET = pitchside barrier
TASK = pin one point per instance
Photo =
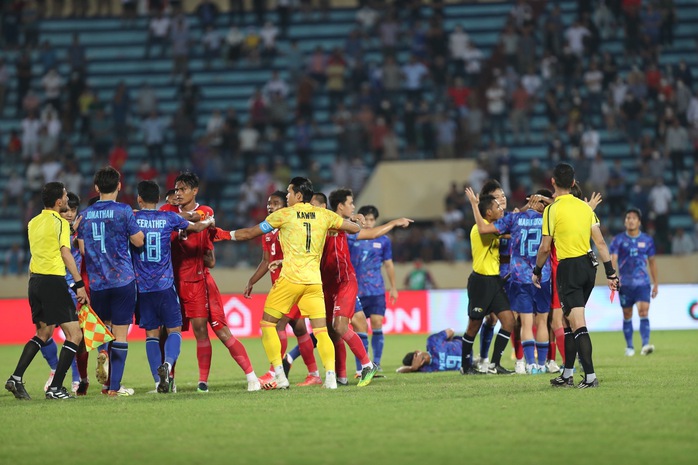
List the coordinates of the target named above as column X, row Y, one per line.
column 416, row 312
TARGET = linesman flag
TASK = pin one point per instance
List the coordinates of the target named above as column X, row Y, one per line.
column 94, row 331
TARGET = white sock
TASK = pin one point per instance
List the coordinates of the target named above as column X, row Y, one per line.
column 279, row 371
column 369, row 364
column 251, row 377
column 568, row 373
column 590, row 377
column 314, row 373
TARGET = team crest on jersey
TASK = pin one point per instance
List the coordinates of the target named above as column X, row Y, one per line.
column 377, row 245
column 641, row 244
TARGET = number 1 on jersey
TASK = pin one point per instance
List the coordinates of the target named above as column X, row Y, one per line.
column 308, row 232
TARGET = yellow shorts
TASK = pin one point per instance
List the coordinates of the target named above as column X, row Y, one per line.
column 285, row 294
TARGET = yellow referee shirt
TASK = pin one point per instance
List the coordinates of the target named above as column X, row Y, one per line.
column 485, row 249
column 48, row 232
column 569, row 220
column 302, row 232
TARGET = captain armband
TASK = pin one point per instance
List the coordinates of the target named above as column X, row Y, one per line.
column 265, row 227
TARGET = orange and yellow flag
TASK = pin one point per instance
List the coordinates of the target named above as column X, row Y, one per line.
column 94, row 331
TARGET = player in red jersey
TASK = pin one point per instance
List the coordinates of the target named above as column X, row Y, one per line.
column 192, row 256
column 340, row 286
column 271, row 251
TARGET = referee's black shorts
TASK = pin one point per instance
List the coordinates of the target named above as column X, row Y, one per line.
column 575, row 281
column 50, row 300
column 486, row 295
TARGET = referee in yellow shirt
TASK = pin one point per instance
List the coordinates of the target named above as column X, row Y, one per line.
column 49, row 295
column 485, row 288
column 572, row 224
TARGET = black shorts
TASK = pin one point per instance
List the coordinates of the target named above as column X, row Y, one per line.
column 50, row 300
column 486, row 295
column 575, row 281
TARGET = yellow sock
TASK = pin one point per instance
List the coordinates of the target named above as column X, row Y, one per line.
column 271, row 342
column 325, row 347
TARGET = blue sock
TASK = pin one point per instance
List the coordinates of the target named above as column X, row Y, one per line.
column 377, row 343
column 364, row 341
column 529, row 348
column 486, row 334
column 628, row 333
column 119, row 351
column 645, row 330
column 173, row 346
column 50, row 352
column 542, row 348
column 294, row 353
column 74, row 370
column 152, row 351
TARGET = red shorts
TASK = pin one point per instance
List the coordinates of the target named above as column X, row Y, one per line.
column 555, row 301
column 202, row 299
column 340, row 299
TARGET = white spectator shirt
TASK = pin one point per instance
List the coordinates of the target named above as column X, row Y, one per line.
column 531, row 82
column 594, row 80
column 30, row 130
column 495, row 100
column 590, row 143
column 268, row 35
column 160, row 26
column 458, row 44
column 248, row 139
column 414, row 72
column 473, row 57
column 575, row 36
column 660, row 199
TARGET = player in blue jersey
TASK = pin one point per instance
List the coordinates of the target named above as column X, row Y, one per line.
column 104, row 234
column 158, row 303
column 442, row 354
column 633, row 253
column 50, row 350
column 368, row 256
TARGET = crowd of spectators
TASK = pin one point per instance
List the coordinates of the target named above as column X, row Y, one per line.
column 446, row 97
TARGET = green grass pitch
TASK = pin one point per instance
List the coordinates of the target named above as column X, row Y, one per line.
column 644, row 412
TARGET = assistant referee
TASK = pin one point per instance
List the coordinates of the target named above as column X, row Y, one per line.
column 572, row 224
column 49, row 295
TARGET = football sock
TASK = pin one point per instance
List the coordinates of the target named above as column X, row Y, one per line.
column 271, row 343
column 486, row 334
column 628, row 332
column 583, row 341
column 306, row 350
column 552, row 352
column 559, row 334
column 364, row 341
column 326, row 348
column 356, row 346
column 30, row 350
column 203, row 358
column 529, row 350
column 64, row 361
column 173, row 346
column 296, row 351
column 81, row 359
column 377, row 343
column 119, row 351
column 50, row 352
column 516, row 344
column 283, row 338
column 74, row 370
column 645, row 330
column 152, row 352
column 500, row 343
column 570, row 350
column 466, row 354
column 542, row 348
column 239, row 354
column 340, row 356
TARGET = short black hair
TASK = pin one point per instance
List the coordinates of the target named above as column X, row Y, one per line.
column 169, row 193
column 281, row 195
column 564, row 175
column 490, row 186
column 52, row 192
column 304, row 186
column 577, row 191
column 92, row 201
column 149, row 191
column 369, row 210
column 188, row 178
column 339, row 196
column 107, row 180
column 322, row 197
column 408, row 359
column 545, row 193
column 485, row 204
column 635, row 210
column 73, row 201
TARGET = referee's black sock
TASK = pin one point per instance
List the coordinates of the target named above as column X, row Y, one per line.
column 500, row 343
column 65, row 359
column 31, row 348
column 570, row 352
column 581, row 337
column 466, row 354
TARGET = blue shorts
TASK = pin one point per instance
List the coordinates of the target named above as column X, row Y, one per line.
column 527, row 298
column 116, row 305
column 630, row 295
column 159, row 308
column 358, row 308
column 373, row 304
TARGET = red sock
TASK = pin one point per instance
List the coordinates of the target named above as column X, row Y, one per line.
column 305, row 344
column 340, row 358
column 560, row 341
column 552, row 350
column 203, row 357
column 239, row 354
column 518, row 348
column 357, row 347
column 82, row 358
column 283, row 337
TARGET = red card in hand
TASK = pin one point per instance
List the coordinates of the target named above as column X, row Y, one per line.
column 613, row 294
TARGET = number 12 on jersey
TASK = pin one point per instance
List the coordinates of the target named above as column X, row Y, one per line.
column 530, row 241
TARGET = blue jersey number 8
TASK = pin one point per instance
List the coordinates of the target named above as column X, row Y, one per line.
column 530, row 241
column 152, row 247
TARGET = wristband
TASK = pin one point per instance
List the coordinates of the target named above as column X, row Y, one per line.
column 537, row 270
column 608, row 266
column 232, row 236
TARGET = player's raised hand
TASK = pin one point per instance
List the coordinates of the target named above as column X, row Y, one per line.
column 360, row 219
column 77, row 222
column 274, row 265
column 594, row 201
column 474, row 198
column 403, row 222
